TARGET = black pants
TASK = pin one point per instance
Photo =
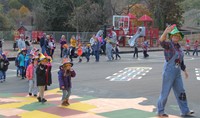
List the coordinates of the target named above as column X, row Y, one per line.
column 61, row 53
column 145, row 53
column 135, row 52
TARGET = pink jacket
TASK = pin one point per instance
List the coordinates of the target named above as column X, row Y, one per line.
column 29, row 72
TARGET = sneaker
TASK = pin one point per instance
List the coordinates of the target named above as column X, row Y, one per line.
column 30, row 94
column 189, row 114
column 43, row 100
column 39, row 99
column 163, row 115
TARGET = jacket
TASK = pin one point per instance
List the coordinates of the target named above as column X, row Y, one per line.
column 65, row 80
column 41, row 75
column 29, row 72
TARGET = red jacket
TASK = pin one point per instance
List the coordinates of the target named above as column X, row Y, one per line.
column 29, row 72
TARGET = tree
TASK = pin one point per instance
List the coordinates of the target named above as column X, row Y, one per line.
column 24, row 11
column 166, row 12
column 53, row 14
column 4, row 22
column 87, row 17
column 14, row 4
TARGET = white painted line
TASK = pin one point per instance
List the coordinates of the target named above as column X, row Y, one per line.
column 108, row 77
column 12, row 70
column 198, row 78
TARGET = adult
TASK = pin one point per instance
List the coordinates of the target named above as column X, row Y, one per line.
column 21, row 43
column 174, row 63
column 43, row 43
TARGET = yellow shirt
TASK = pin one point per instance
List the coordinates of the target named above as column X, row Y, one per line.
column 73, row 42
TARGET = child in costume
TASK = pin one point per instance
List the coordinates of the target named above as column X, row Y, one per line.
column 174, row 63
column 87, row 52
column 196, row 45
column 41, row 77
column 79, row 52
column 48, row 72
column 187, row 47
column 64, row 76
column 31, row 76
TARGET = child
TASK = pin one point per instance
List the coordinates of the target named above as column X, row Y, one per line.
column 22, row 63
column 17, row 64
column 41, row 77
column 64, row 76
column 145, row 48
column 87, row 52
column 31, row 76
column 79, row 52
column 1, row 68
column 187, row 47
column 196, row 45
column 117, row 51
column 48, row 72
column 5, row 66
column 65, row 51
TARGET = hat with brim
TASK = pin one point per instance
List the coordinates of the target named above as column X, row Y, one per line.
column 68, row 64
column 175, row 31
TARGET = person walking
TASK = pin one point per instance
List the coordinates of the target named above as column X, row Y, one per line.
column 41, row 77
column 65, row 74
column 196, row 45
column 31, row 76
column 171, row 78
column 63, row 41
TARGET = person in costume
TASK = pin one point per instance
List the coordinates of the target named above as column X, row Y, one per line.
column 87, row 52
column 196, row 45
column 31, row 76
column 171, row 78
column 48, row 72
column 41, row 77
column 22, row 62
column 79, row 52
column 187, row 47
column 64, row 76
column 72, row 47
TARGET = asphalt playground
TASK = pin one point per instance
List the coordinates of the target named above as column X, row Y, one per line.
column 125, row 88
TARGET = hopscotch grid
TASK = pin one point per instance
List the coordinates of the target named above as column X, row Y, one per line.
column 129, row 73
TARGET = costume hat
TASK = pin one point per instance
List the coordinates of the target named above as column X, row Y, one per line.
column 66, row 62
column 176, row 31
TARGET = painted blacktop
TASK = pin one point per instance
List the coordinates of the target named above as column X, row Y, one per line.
column 20, row 105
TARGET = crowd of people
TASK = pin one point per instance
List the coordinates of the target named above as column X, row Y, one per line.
column 36, row 66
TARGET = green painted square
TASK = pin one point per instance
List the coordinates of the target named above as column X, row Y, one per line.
column 6, row 95
column 84, row 98
column 36, row 106
column 174, row 107
column 128, row 113
column 2, row 116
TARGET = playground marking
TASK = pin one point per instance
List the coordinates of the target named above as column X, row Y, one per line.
column 129, row 73
column 197, row 71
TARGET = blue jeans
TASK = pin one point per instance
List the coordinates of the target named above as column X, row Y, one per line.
column 43, row 49
column 1, row 76
column 96, row 53
column 66, row 94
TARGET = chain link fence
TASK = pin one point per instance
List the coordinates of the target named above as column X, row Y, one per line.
column 85, row 36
